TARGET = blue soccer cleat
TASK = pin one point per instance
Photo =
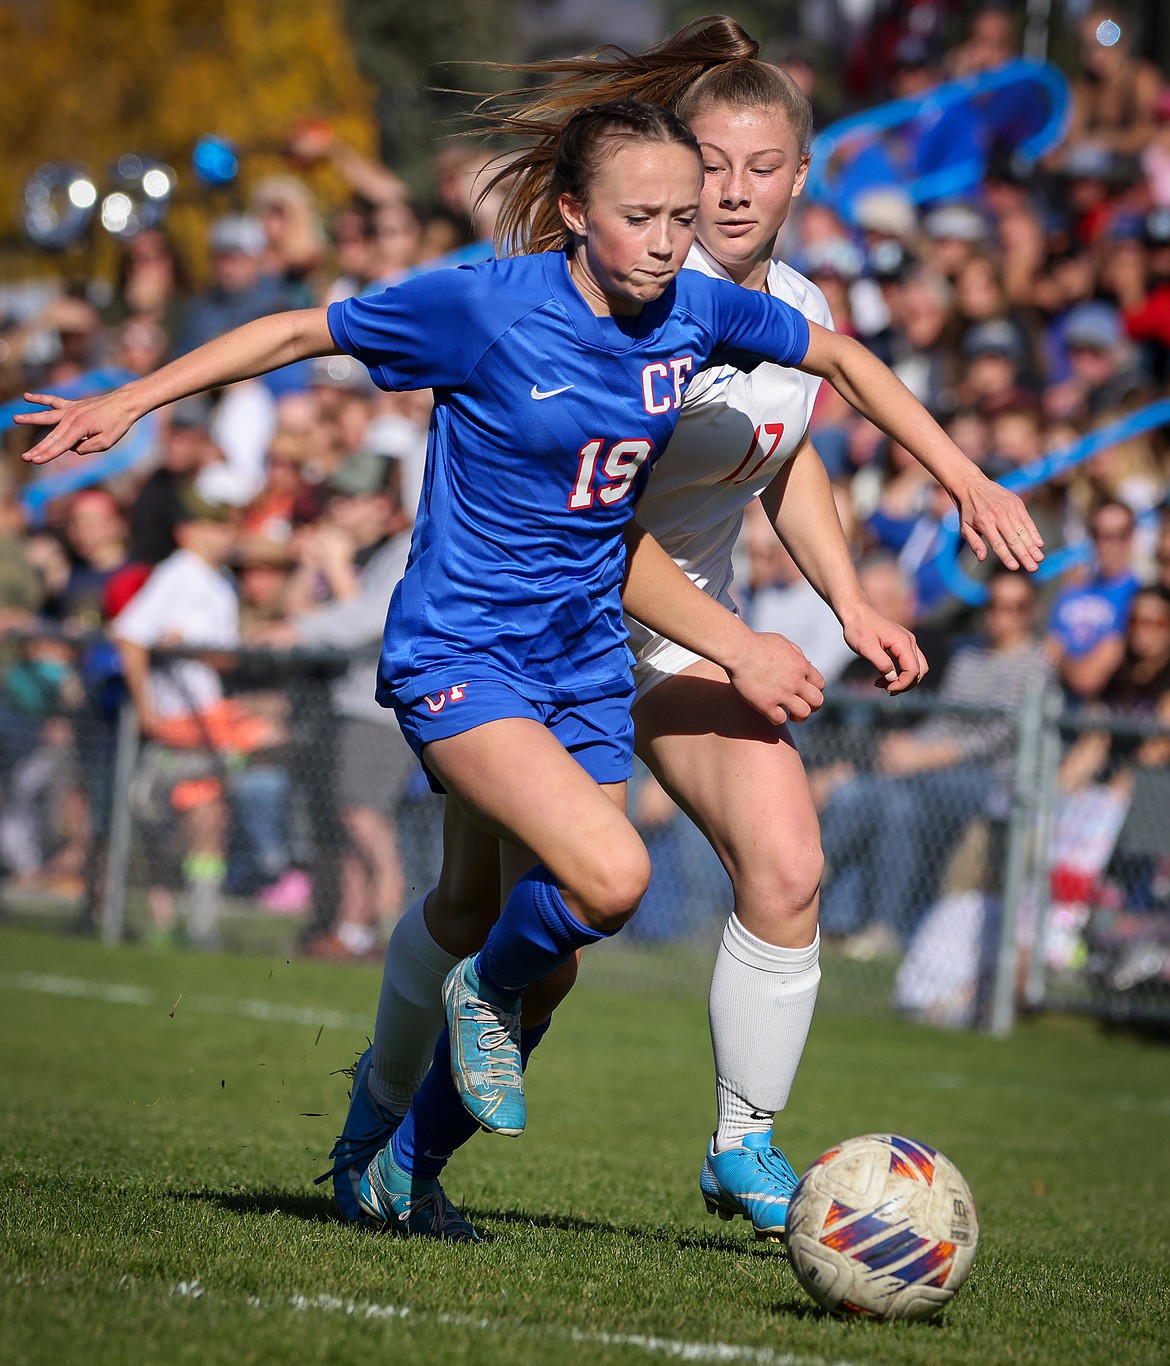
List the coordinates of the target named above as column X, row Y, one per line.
column 485, row 1051
column 396, row 1202
column 755, row 1182
column 368, row 1128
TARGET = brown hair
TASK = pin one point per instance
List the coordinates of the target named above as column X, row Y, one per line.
column 530, row 220
column 709, row 62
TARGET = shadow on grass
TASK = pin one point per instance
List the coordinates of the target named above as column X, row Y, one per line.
column 685, row 1242
column 313, row 1209
column 319, row 1209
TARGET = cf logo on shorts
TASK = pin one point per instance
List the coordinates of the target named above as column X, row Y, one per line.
column 456, row 694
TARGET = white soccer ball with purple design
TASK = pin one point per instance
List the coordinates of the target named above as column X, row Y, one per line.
column 883, row 1227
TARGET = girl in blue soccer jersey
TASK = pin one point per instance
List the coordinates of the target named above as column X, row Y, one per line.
column 740, row 435
column 558, row 379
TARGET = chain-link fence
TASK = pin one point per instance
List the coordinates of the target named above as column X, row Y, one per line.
column 955, row 893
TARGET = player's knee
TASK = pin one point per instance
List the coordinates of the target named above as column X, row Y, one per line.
column 783, row 881
column 616, row 885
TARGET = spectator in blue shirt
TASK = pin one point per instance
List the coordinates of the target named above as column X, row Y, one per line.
column 1086, row 631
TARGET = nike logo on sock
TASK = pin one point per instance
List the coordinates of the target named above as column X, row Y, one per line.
column 551, row 393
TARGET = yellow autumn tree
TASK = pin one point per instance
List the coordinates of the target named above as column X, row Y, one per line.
column 85, row 82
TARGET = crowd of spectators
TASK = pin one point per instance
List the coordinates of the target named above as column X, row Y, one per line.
column 276, row 514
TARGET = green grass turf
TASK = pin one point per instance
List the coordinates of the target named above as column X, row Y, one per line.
column 157, row 1155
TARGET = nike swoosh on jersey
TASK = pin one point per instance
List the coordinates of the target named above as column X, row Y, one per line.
column 552, row 393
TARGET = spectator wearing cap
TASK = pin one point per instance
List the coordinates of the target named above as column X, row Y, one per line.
column 1086, row 628
column 954, row 234
column 1104, row 373
column 365, row 519
column 240, row 291
column 993, row 362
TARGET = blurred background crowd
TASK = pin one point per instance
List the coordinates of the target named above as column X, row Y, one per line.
column 275, row 516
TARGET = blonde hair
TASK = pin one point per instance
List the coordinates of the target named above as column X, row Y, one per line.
column 711, row 62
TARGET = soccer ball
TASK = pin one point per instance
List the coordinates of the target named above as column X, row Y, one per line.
column 883, row 1227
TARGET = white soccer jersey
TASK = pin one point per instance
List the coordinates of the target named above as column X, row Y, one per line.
column 736, row 430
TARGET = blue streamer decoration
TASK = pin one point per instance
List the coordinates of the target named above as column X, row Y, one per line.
column 1040, row 471
column 950, row 134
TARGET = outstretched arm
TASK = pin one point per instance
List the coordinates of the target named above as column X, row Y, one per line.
column 90, row 425
column 986, row 510
column 769, row 672
column 800, row 505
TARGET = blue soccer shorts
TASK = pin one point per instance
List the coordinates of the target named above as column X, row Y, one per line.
column 598, row 733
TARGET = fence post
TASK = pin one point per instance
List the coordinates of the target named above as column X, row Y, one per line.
column 1035, row 988
column 1020, row 836
column 118, row 853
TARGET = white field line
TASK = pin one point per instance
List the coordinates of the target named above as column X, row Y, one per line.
column 673, row 1348
column 46, row 984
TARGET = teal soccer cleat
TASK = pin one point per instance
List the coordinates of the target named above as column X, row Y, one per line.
column 397, row 1202
column 755, row 1182
column 485, row 1051
column 368, row 1128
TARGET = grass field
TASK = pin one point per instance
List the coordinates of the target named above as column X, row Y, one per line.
column 163, row 1116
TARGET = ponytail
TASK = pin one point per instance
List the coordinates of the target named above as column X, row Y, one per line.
column 711, row 61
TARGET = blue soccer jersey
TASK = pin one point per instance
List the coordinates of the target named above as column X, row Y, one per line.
column 547, row 419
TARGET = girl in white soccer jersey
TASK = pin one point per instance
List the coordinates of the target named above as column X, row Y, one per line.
column 741, row 433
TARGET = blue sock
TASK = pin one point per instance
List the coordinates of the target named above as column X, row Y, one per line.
column 437, row 1123
column 535, row 934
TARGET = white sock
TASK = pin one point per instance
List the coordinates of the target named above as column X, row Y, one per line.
column 760, row 1008
column 410, row 1010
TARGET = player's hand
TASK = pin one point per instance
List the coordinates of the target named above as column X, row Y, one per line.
column 890, row 648
column 990, row 515
column 777, row 679
column 84, row 425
